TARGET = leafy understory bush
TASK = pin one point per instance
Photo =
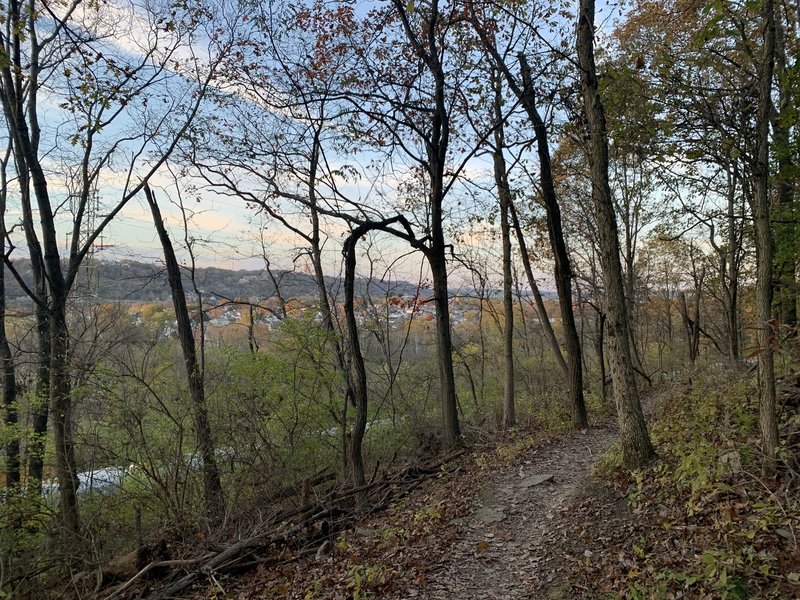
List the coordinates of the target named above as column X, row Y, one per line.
column 706, row 523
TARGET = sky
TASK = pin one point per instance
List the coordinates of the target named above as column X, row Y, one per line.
column 226, row 232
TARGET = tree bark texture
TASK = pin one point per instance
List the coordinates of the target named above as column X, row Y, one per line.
column 62, row 418
column 601, row 357
column 324, row 303
column 637, row 449
column 764, row 247
column 39, row 407
column 19, row 89
column 451, row 429
column 358, row 372
column 691, row 327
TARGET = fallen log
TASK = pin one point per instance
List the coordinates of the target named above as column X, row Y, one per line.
column 304, row 487
column 155, row 565
column 296, row 527
column 209, row 566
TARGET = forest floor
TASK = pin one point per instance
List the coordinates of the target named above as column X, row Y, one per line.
column 509, row 546
column 492, row 530
column 554, row 515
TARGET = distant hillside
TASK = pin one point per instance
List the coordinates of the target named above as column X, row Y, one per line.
column 137, row 281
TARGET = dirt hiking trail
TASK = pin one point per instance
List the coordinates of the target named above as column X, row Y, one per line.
column 500, row 551
column 495, row 526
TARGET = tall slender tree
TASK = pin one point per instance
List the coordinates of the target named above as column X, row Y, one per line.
column 523, row 88
column 7, row 367
column 68, row 52
column 637, row 449
column 504, row 194
column 760, row 205
column 214, row 500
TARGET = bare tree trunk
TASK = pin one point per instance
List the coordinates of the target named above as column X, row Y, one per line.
column 697, row 328
column 637, row 449
column 601, row 357
column 325, row 304
column 562, row 267
column 582, row 329
column 61, row 414
column 7, row 371
column 40, row 402
column 30, row 59
column 504, row 194
column 252, row 342
column 358, row 373
column 40, row 408
column 526, row 93
column 451, row 430
column 629, row 277
column 691, row 329
column 59, row 384
column 11, row 417
column 764, row 250
column 436, row 141
column 437, row 146
column 698, row 276
column 544, row 319
column 529, row 102
column 52, row 288
column 732, row 287
column 509, row 411
column 785, row 231
column 212, row 486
